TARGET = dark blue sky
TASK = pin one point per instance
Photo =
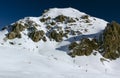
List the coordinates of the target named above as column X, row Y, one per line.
column 13, row 10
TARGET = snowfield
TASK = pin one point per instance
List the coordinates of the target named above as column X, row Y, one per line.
column 28, row 59
column 18, row 63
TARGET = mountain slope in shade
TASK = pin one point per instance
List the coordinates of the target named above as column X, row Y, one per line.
column 30, row 56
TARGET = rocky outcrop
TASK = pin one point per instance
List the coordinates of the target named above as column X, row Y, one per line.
column 37, row 36
column 56, row 36
column 61, row 18
column 15, row 31
column 17, row 27
column 110, row 41
column 85, row 17
column 11, row 35
column 85, row 47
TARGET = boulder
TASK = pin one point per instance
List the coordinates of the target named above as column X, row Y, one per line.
column 11, row 35
column 56, row 36
column 61, row 18
column 36, row 35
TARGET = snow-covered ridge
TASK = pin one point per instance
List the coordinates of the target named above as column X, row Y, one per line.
column 92, row 24
column 70, row 12
column 80, row 23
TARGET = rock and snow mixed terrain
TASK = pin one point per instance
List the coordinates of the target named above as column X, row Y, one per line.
column 36, row 47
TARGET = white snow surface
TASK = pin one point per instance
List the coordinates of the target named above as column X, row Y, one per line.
column 27, row 59
column 70, row 12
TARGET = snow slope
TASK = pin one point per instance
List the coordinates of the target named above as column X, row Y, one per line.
column 28, row 59
column 18, row 63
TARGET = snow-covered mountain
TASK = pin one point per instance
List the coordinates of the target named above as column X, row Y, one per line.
column 38, row 47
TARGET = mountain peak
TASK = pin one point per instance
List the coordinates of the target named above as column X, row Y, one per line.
column 54, row 26
column 70, row 12
column 39, row 47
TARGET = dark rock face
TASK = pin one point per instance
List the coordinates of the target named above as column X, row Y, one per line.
column 71, row 20
column 37, row 35
column 60, row 18
column 110, row 42
column 85, row 17
column 18, row 27
column 42, row 19
column 85, row 47
column 56, row 36
column 45, row 19
column 72, row 45
column 15, row 31
column 11, row 35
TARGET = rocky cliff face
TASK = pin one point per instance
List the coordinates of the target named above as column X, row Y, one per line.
column 110, row 41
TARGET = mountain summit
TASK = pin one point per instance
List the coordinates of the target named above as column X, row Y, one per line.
column 39, row 47
column 56, row 25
